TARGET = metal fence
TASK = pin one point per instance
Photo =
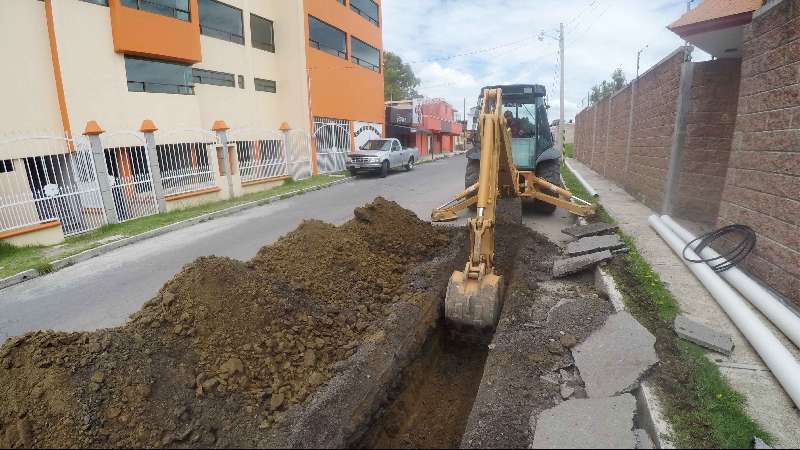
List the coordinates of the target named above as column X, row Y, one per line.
column 332, row 140
column 261, row 154
column 131, row 182
column 46, row 179
column 185, row 165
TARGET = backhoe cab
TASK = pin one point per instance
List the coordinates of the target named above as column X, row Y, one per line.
column 532, row 145
column 508, row 167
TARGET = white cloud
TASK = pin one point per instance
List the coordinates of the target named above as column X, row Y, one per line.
column 498, row 42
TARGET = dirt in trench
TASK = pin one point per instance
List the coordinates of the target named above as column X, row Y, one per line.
column 430, row 408
column 226, row 347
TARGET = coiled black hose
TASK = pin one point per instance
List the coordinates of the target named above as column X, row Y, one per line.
column 732, row 257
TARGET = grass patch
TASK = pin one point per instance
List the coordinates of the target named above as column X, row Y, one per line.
column 568, row 150
column 18, row 259
column 705, row 412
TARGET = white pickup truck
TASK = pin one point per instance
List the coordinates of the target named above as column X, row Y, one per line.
column 381, row 156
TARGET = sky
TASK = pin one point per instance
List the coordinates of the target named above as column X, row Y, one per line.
column 458, row 46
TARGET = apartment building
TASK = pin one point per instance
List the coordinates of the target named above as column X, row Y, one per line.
column 178, row 69
column 345, row 70
column 429, row 125
column 188, row 63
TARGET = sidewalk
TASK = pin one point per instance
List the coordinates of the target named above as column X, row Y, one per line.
column 768, row 404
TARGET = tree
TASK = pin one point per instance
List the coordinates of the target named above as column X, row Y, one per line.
column 607, row 88
column 400, row 83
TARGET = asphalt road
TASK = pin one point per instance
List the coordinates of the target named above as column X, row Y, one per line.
column 104, row 291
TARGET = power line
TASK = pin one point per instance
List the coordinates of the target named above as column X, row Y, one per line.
column 475, row 52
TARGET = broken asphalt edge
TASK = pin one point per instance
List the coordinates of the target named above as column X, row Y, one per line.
column 650, row 413
column 111, row 246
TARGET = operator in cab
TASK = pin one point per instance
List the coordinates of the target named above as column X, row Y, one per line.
column 513, row 123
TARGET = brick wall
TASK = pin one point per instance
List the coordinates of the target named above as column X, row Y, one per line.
column 763, row 183
column 602, row 143
column 709, row 135
column 600, row 131
column 614, row 162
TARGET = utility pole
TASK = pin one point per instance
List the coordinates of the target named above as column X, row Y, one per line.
column 561, row 119
column 639, row 59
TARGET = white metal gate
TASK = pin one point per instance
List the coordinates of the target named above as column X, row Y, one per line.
column 129, row 174
column 298, row 154
column 332, row 139
column 46, row 179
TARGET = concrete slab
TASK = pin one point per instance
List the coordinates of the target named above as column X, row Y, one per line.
column 592, row 229
column 568, row 266
column 643, row 440
column 590, row 423
column 767, row 402
column 614, row 359
column 594, row 244
column 703, row 336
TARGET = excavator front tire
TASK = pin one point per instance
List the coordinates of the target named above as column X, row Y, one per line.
column 550, row 170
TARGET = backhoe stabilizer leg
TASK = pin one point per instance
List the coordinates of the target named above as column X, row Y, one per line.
column 449, row 211
column 474, row 303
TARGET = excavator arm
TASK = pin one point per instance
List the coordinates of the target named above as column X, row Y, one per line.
column 474, row 296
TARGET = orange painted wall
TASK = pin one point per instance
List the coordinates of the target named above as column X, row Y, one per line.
column 142, row 33
column 338, row 88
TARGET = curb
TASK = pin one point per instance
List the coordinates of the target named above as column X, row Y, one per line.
column 106, row 248
column 650, row 413
column 649, row 410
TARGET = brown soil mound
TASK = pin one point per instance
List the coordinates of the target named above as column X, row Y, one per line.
column 224, row 348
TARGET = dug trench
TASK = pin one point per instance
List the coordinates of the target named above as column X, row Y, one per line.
column 331, row 337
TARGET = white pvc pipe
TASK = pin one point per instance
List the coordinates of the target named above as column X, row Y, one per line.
column 778, row 313
column 582, row 180
column 780, row 361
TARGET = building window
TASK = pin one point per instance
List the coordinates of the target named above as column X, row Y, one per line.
column 266, row 85
column 365, row 55
column 241, row 81
column 327, row 38
column 366, row 9
column 145, row 75
column 262, row 34
column 178, row 9
column 6, row 166
column 97, row 2
column 200, row 76
column 221, row 21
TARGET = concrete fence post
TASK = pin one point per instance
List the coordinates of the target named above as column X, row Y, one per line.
column 285, row 140
column 93, row 132
column 149, row 129
column 678, row 138
column 608, row 133
column 223, row 155
column 594, row 134
column 628, row 143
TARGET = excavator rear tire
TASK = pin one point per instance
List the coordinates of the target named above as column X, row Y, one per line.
column 550, row 170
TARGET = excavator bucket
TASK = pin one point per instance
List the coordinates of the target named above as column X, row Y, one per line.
column 474, row 303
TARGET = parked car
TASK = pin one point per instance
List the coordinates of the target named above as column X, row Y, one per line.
column 381, row 156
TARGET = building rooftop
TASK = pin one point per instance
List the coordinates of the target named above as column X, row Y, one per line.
column 714, row 14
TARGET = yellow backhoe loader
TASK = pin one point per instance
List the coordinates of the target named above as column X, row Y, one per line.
column 474, row 296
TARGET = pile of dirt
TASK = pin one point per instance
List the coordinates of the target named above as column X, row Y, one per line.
column 225, row 348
